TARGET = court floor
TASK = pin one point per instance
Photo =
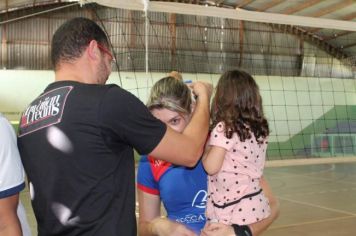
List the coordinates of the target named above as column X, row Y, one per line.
column 315, row 200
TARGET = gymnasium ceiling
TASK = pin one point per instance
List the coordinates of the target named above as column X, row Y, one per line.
column 340, row 43
column 331, row 39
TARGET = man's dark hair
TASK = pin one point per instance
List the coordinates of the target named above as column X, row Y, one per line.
column 73, row 37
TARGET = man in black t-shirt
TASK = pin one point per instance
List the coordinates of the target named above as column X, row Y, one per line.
column 77, row 138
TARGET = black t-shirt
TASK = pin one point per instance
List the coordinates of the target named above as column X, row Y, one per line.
column 76, row 143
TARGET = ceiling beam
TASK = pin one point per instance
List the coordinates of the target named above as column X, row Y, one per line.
column 334, row 7
column 173, row 30
column 237, row 14
column 12, row 16
column 301, row 6
column 244, row 3
column 132, row 35
column 348, row 46
column 348, row 17
column 241, row 41
column 219, row 2
column 313, row 39
column 269, row 5
column 337, row 35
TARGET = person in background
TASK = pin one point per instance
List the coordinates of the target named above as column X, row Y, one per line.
column 13, row 221
column 236, row 152
column 76, row 139
column 182, row 190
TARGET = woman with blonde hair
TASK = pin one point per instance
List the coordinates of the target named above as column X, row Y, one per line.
column 182, row 190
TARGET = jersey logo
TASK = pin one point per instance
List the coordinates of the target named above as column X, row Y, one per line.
column 200, row 198
column 46, row 110
column 191, row 219
column 158, row 167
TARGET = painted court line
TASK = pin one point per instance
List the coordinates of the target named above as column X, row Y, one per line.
column 310, row 222
column 309, row 176
column 322, row 192
column 317, row 206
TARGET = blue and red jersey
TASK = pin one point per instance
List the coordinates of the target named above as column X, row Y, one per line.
column 182, row 190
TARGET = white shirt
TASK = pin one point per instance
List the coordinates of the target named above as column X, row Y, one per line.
column 12, row 176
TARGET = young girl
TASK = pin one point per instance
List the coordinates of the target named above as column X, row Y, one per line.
column 236, row 150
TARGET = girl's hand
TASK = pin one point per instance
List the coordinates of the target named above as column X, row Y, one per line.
column 166, row 227
column 217, row 229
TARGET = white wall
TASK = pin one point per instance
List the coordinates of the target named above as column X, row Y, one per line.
column 19, row 87
column 293, row 103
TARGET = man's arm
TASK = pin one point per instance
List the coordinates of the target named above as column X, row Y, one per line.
column 9, row 221
column 186, row 148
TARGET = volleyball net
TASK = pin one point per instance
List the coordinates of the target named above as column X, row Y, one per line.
column 306, row 82
column 306, row 73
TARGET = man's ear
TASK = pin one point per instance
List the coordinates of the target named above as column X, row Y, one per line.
column 93, row 50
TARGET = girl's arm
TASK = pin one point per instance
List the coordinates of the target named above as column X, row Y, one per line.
column 213, row 159
column 150, row 220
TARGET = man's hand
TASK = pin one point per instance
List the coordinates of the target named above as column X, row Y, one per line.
column 202, row 89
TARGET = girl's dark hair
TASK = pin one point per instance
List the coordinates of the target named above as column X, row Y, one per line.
column 71, row 38
column 238, row 103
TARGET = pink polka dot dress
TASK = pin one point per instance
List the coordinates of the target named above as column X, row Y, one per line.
column 235, row 195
